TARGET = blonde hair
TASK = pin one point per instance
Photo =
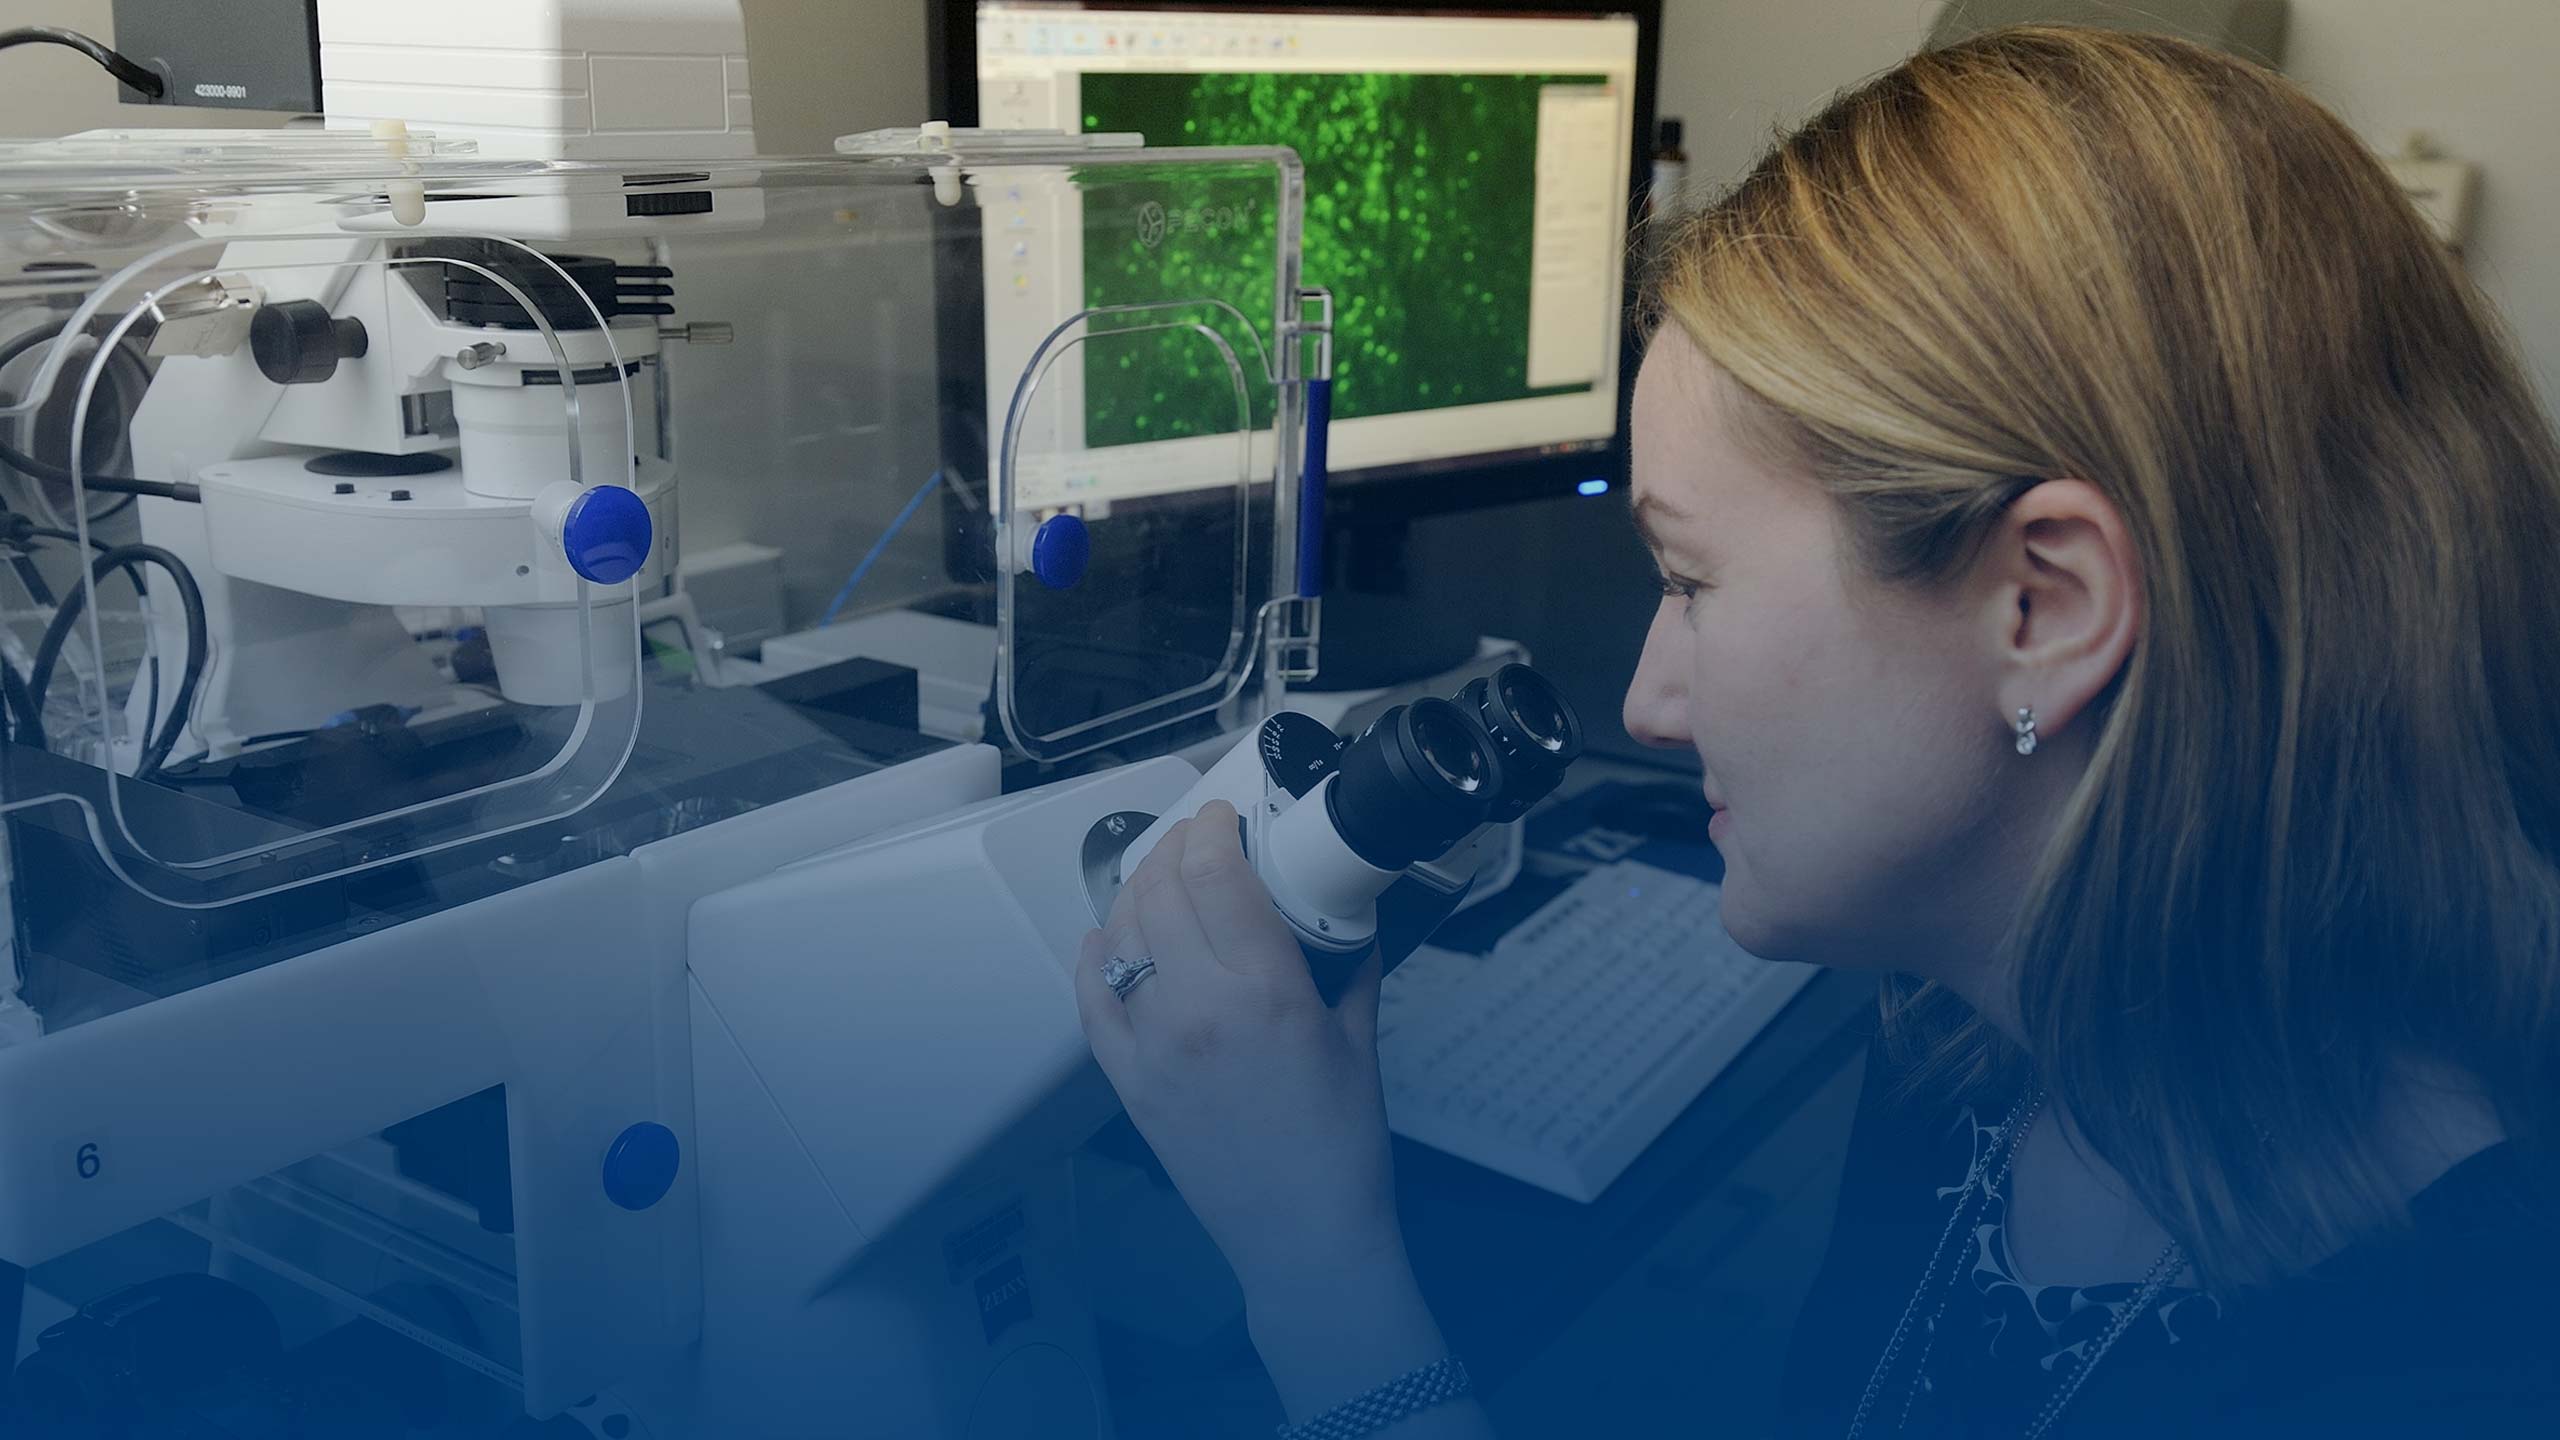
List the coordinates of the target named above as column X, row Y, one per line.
column 2317, row 838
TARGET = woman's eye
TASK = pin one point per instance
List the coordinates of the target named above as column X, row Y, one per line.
column 1687, row 590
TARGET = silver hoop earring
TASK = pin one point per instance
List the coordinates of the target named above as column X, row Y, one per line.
column 2025, row 725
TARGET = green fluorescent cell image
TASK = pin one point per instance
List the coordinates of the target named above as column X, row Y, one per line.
column 1419, row 218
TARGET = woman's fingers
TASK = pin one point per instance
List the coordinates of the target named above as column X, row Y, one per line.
column 1183, row 948
column 1174, row 947
column 1232, row 903
column 1106, row 1020
column 1153, row 908
column 1197, row 909
column 1265, row 1114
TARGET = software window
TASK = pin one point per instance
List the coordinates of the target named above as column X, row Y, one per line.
column 1465, row 203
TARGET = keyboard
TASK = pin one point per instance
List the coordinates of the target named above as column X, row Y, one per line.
column 1557, row 1057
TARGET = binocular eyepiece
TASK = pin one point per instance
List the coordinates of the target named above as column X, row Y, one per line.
column 1423, row 775
column 1419, row 780
column 1532, row 727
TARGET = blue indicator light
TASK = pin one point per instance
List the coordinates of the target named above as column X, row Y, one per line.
column 1592, row 487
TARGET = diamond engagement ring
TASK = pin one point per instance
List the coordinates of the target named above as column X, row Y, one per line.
column 1124, row 976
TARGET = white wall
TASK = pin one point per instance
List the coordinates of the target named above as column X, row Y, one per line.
column 824, row 68
column 2473, row 74
column 1737, row 70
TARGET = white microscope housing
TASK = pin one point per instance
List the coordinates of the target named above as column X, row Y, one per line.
column 418, row 454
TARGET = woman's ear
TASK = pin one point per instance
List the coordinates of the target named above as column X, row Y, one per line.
column 2065, row 602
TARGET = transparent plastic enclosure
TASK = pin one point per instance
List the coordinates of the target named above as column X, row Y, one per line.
column 1149, row 415
column 384, row 529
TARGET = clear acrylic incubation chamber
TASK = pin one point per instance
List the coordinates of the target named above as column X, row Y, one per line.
column 388, row 527
column 424, row 575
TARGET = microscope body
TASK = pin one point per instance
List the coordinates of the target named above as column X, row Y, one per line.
column 432, row 470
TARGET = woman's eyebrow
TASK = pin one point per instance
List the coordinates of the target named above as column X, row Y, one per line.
column 1651, row 513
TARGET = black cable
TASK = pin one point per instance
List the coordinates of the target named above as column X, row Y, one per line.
column 58, row 631
column 33, row 579
column 109, row 484
column 132, row 575
column 28, row 339
column 151, row 702
column 23, row 564
column 28, row 575
column 131, row 74
column 199, row 647
column 15, row 531
column 11, row 529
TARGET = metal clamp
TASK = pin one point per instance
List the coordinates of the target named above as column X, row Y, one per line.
column 206, row 316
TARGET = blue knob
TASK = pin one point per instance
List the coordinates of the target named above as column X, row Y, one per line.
column 641, row 1166
column 607, row 534
column 1060, row 549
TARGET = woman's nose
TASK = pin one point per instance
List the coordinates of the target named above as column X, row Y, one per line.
column 1657, row 705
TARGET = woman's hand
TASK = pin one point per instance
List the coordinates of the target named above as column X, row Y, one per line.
column 1262, row 1102
column 1264, row 1106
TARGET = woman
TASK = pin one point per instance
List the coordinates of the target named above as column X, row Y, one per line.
column 2102, row 539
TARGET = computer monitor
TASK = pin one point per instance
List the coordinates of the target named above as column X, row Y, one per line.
column 1472, row 172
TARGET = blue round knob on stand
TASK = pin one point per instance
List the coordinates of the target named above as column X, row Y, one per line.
column 607, row 534
column 1060, row 550
column 641, row 1165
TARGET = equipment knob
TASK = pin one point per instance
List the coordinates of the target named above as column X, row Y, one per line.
column 606, row 534
column 640, row 1167
column 298, row 343
column 1060, row 550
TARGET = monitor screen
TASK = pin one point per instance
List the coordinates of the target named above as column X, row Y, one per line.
column 1466, row 203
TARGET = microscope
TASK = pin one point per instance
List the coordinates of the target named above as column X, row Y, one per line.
column 457, row 977
column 1371, row 841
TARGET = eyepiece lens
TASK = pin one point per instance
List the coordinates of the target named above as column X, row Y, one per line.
column 1450, row 747
column 1414, row 783
column 1534, row 705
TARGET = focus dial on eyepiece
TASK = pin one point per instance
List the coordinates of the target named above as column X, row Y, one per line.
column 1298, row 751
